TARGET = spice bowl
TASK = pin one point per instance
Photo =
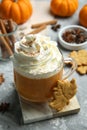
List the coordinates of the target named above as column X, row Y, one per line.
column 73, row 37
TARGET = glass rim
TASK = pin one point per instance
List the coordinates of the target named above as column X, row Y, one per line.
column 11, row 33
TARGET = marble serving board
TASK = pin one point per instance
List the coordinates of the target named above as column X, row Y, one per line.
column 34, row 112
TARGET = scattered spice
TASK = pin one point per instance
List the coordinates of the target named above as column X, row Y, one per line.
column 55, row 27
column 1, row 79
column 30, row 41
column 19, row 49
column 4, row 107
column 75, row 36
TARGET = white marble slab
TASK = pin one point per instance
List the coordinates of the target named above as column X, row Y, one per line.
column 33, row 112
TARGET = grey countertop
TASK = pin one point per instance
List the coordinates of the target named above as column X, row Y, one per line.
column 11, row 120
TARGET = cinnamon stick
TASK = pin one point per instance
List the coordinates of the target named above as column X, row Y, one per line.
column 12, row 38
column 38, row 29
column 3, row 40
column 9, row 21
column 4, row 51
column 51, row 22
column 3, row 30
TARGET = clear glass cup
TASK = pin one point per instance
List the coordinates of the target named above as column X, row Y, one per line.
column 7, row 41
column 40, row 90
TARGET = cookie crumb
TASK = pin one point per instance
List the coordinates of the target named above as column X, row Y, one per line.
column 1, row 79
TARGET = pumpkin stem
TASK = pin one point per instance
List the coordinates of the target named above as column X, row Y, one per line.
column 16, row 1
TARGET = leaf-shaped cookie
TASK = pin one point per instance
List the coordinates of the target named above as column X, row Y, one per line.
column 59, row 103
column 82, row 69
column 81, row 59
column 68, row 88
column 62, row 93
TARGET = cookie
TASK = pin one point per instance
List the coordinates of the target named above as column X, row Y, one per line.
column 62, row 93
column 82, row 69
column 81, row 60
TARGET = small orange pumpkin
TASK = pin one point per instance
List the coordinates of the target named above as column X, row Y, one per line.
column 17, row 10
column 63, row 8
column 83, row 16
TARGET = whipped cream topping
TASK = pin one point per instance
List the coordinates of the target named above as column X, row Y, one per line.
column 37, row 56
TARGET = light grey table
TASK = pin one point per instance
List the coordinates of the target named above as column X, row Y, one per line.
column 11, row 120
